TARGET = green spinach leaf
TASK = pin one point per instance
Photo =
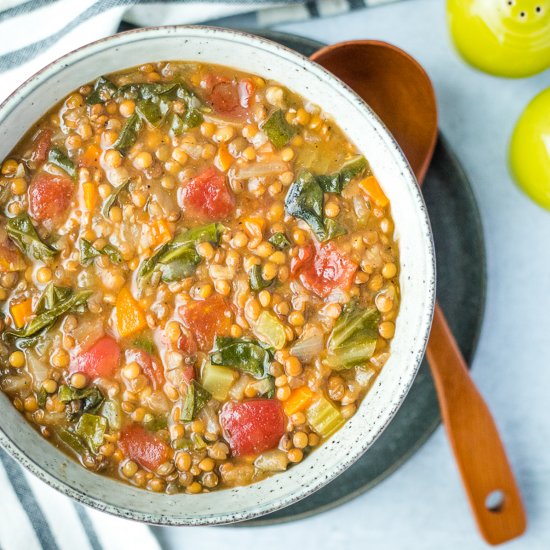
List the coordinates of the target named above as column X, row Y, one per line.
column 148, row 90
column 333, row 229
column 88, row 252
column 335, row 183
column 278, row 130
column 196, row 398
column 24, row 235
column 255, row 279
column 129, row 134
column 90, row 398
column 178, row 258
column 51, row 296
column 72, row 302
column 145, row 343
column 242, row 354
column 152, row 104
column 279, row 240
column 75, row 442
column 304, row 200
column 179, row 124
column 114, row 198
column 103, row 90
column 61, row 160
column 150, row 110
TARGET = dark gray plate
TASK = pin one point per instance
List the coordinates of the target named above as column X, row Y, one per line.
column 461, row 262
column 461, row 275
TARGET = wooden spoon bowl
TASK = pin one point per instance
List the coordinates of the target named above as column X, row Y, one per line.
column 400, row 92
column 397, row 89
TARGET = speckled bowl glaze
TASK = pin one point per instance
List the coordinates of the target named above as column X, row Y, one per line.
column 263, row 57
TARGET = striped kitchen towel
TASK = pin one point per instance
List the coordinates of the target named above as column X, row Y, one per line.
column 34, row 516
column 35, row 32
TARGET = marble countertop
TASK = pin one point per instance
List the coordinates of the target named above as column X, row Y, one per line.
column 423, row 505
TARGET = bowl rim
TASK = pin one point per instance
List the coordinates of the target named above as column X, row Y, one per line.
column 273, row 48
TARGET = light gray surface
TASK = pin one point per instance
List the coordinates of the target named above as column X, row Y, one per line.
column 422, row 505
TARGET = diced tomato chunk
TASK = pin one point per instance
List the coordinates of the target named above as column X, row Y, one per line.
column 305, row 253
column 328, row 270
column 225, row 97
column 253, row 426
column 101, row 359
column 230, row 97
column 50, row 196
column 149, row 365
column 207, row 196
column 145, row 448
column 41, row 145
column 206, row 319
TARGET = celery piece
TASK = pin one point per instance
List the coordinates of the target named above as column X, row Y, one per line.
column 74, row 441
column 112, row 412
column 198, row 442
column 324, row 417
column 271, row 330
column 348, row 356
column 217, row 380
column 91, row 428
column 41, row 397
column 353, row 338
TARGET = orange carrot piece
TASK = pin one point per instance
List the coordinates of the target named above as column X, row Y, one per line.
column 299, row 399
column 130, row 317
column 90, row 157
column 223, row 160
column 372, row 188
column 21, row 311
column 91, row 195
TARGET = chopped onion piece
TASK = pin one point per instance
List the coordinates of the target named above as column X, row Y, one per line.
column 260, row 169
column 38, row 368
column 272, row 461
column 88, row 331
column 16, row 383
column 310, row 344
column 237, row 391
column 222, row 121
column 210, row 418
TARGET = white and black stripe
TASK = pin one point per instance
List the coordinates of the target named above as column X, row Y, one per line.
column 34, row 516
column 28, row 502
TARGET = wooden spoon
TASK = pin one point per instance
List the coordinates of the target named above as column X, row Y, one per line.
column 400, row 92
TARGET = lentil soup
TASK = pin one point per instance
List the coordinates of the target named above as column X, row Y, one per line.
column 198, row 277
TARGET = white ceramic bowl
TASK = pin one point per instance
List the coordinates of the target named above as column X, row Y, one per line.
column 265, row 58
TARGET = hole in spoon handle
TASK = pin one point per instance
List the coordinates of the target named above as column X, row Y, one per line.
column 475, row 440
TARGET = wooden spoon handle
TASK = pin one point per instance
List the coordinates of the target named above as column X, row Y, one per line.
column 474, row 438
